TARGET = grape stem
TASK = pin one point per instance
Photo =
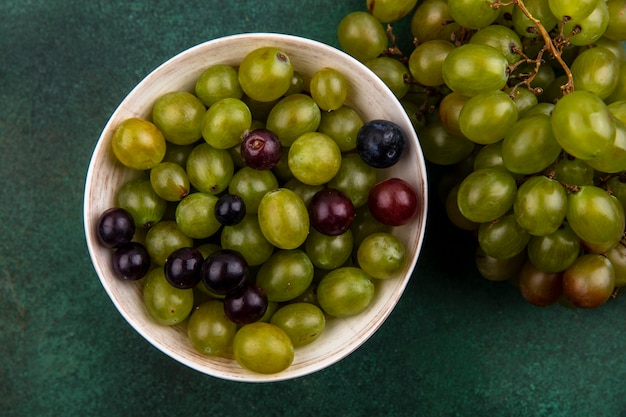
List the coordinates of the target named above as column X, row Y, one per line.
column 549, row 44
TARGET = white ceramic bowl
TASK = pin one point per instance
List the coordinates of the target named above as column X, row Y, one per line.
column 368, row 95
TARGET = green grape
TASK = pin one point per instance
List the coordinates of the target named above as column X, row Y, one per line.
column 582, row 124
column 613, row 158
column 225, row 122
column 524, row 100
column 364, row 224
column 613, row 46
column 571, row 9
column 314, row 158
column 540, row 10
column 542, row 82
column 209, row 330
column 540, row 288
column 177, row 154
column 596, row 70
column 489, row 156
column 503, row 238
column 166, row 304
column 283, row 218
column 179, row 114
column 355, row 178
column 449, row 111
column 432, row 20
column 265, row 74
column 590, row 281
column 345, row 291
column 297, row 84
column 209, row 169
column 426, row 61
column 246, row 238
column 540, row 205
column 164, row 238
column 208, row 248
column 616, row 27
column 471, row 69
column 592, row 27
column 304, row 191
column 381, row 255
column 539, row 108
column 498, row 269
column 362, row 35
column 263, row 348
column 530, row 145
column 595, row 216
column 502, row 38
column 285, row 275
column 618, row 110
column 393, row 73
column 573, row 171
column 329, row 88
column 554, row 252
column 329, row 252
column 259, row 109
column 487, row 117
column 617, row 256
column 281, row 169
column 617, row 187
column 251, row 185
column 169, row 181
column 302, row 322
column 486, row 194
column 218, row 82
column 444, row 148
column 272, row 307
column 554, row 91
column 414, row 111
column 293, row 116
column 195, row 215
column 454, row 214
column 342, row 125
column 619, row 93
column 473, row 14
column 138, row 144
column 388, row 11
column 139, row 199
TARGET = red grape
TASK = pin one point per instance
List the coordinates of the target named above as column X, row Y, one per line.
column 331, row 212
column 261, row 149
column 393, row 202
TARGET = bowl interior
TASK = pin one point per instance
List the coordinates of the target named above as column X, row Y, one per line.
column 368, row 95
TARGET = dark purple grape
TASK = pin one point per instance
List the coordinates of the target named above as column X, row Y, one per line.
column 230, row 209
column 380, row 143
column 115, row 228
column 246, row 305
column 261, row 149
column 182, row 267
column 131, row 261
column 224, row 271
column 331, row 212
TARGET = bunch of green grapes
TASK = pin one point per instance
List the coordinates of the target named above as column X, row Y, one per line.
column 524, row 103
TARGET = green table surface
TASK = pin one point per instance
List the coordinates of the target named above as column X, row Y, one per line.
column 456, row 344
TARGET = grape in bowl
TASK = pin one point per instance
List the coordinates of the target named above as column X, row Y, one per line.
column 367, row 94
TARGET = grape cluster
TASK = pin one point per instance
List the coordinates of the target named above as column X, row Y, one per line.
column 522, row 101
column 261, row 208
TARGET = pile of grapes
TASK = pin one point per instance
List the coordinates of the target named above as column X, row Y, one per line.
column 258, row 211
column 525, row 103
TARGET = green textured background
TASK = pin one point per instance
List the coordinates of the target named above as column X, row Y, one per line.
column 456, row 345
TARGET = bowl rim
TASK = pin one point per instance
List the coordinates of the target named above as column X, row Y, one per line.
column 94, row 247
